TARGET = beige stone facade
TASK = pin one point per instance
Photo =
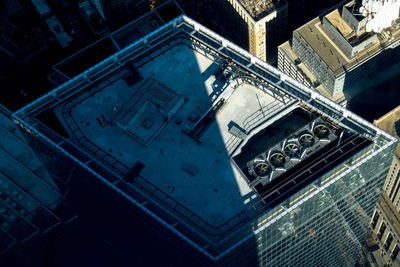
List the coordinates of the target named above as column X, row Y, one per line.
column 261, row 25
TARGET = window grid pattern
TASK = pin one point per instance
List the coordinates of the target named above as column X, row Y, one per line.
column 304, row 236
column 314, row 63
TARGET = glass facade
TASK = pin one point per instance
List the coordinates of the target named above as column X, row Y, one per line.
column 322, row 224
column 328, row 228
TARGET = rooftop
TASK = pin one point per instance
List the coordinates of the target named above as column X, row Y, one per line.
column 158, row 129
column 259, row 8
column 176, row 117
column 314, row 34
column 172, row 160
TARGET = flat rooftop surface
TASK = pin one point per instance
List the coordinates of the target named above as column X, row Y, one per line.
column 175, row 93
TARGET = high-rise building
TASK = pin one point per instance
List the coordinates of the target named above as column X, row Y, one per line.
column 223, row 154
column 259, row 25
column 341, row 53
column 391, row 124
column 29, row 197
column 383, row 238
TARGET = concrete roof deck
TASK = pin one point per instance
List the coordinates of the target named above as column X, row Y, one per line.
column 200, row 176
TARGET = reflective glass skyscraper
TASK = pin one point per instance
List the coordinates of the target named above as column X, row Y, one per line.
column 224, row 154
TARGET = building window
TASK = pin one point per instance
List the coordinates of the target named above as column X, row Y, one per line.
column 381, row 230
column 388, row 242
column 395, row 252
column 393, row 186
column 375, row 220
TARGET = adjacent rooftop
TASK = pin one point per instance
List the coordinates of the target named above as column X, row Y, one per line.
column 331, row 53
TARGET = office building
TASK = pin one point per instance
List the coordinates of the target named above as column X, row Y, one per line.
column 390, row 123
column 29, row 197
column 222, row 153
column 382, row 243
column 383, row 238
column 343, row 52
column 259, row 26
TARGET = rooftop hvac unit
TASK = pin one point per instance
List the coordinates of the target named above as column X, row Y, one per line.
column 292, row 150
column 306, row 140
column 277, row 159
column 321, row 131
column 262, row 169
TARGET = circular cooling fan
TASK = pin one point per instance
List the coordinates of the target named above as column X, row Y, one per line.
column 306, row 140
column 292, row 150
column 262, row 169
column 277, row 159
column 321, row 131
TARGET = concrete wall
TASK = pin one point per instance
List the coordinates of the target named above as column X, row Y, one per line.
column 337, row 37
column 361, row 46
column 339, row 84
column 352, row 21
